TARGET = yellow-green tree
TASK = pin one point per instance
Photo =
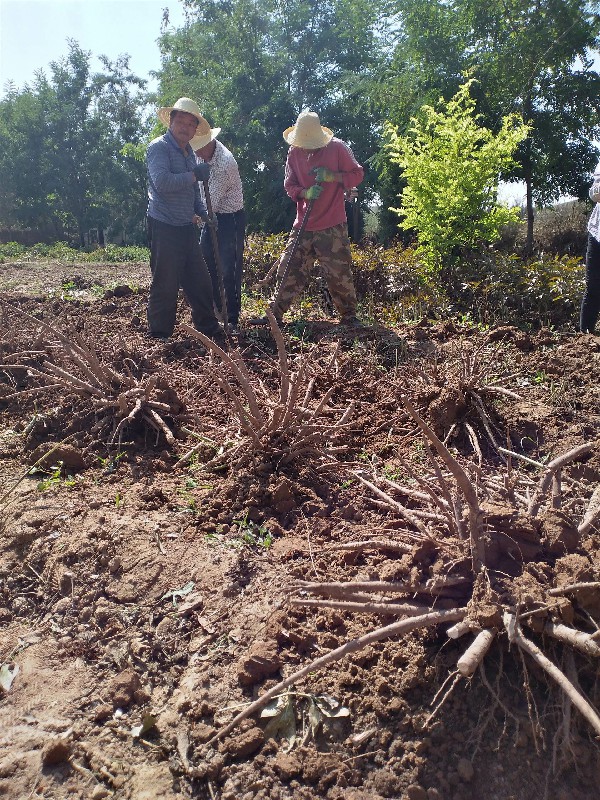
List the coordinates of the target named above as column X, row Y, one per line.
column 451, row 165
column 531, row 58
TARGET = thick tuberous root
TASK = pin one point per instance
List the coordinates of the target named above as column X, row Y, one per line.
column 64, row 362
column 489, row 544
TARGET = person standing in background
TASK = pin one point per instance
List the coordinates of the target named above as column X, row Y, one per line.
column 174, row 210
column 590, row 304
column 319, row 169
column 227, row 200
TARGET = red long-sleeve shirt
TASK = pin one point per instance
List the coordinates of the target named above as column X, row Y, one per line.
column 328, row 209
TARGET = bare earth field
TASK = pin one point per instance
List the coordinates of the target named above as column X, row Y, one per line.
column 199, row 527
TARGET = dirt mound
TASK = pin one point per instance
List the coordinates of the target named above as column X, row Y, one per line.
column 199, row 527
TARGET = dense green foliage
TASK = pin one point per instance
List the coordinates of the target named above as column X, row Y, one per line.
column 528, row 292
column 72, row 143
column 451, row 165
column 62, row 167
column 65, row 254
column 533, row 59
column 486, row 286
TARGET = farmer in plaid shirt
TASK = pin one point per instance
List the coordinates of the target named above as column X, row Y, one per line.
column 590, row 305
column 227, row 198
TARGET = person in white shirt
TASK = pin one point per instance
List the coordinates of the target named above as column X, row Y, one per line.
column 590, row 305
column 227, row 198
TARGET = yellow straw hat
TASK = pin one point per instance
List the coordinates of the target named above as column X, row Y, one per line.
column 183, row 104
column 204, row 135
column 308, row 132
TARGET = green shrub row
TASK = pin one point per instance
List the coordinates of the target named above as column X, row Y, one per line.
column 501, row 287
column 488, row 285
column 61, row 251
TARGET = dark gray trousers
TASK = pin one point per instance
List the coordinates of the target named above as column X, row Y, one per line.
column 230, row 238
column 590, row 305
column 176, row 262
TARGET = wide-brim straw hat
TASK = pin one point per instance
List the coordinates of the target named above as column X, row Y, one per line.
column 308, row 132
column 204, row 135
column 183, row 104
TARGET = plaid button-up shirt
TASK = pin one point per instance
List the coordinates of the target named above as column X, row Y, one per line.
column 224, row 183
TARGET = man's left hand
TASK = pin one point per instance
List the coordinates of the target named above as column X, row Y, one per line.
column 313, row 192
column 212, row 222
column 324, row 175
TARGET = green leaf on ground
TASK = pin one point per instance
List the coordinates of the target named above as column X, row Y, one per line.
column 175, row 593
column 7, row 676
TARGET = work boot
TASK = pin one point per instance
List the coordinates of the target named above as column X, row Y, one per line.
column 351, row 321
column 211, row 332
column 217, row 334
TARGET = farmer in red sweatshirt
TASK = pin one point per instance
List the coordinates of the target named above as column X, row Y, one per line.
column 320, row 168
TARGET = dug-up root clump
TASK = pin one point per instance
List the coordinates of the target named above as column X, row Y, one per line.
column 273, row 427
column 485, row 556
column 469, row 377
column 65, row 363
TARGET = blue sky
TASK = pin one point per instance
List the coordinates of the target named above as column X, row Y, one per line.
column 34, row 32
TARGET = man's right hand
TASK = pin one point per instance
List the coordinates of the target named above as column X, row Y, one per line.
column 202, row 171
column 313, row 192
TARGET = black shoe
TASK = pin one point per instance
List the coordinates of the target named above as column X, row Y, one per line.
column 218, row 331
column 218, row 337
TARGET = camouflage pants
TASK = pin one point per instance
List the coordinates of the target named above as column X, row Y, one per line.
column 331, row 248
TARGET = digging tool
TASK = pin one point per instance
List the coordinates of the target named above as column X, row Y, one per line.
column 293, row 249
column 288, row 261
column 218, row 264
column 266, row 280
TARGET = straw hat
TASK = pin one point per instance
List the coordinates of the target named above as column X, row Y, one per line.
column 204, row 135
column 183, row 104
column 308, row 132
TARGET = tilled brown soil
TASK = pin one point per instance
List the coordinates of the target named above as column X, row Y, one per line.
column 135, row 590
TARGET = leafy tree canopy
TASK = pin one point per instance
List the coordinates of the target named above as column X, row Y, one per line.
column 531, row 58
column 61, row 143
column 451, row 166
